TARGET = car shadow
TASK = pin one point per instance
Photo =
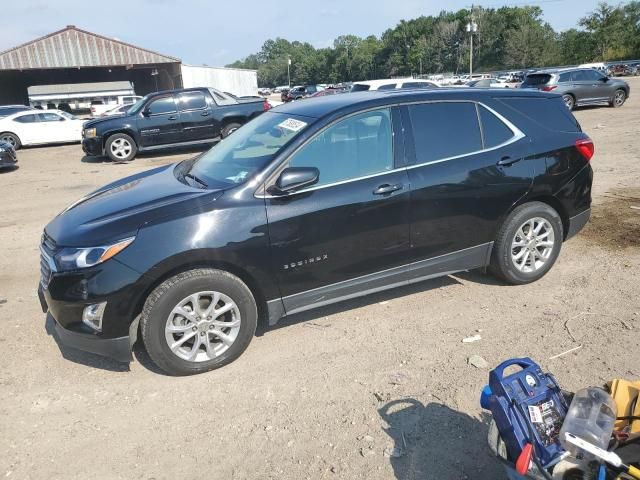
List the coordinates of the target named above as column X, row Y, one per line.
column 81, row 357
column 435, row 441
column 12, row 168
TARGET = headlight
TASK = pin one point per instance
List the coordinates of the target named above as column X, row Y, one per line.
column 74, row 258
column 89, row 132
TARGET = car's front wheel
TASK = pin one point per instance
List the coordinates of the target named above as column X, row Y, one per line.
column 528, row 244
column 197, row 321
column 619, row 97
column 121, row 147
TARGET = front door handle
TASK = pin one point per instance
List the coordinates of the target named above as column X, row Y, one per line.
column 205, row 114
column 386, row 189
column 508, row 161
column 172, row 117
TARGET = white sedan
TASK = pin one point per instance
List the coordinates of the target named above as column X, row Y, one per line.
column 33, row 127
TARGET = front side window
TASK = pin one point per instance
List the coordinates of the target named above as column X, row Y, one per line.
column 444, row 129
column 26, row 119
column 355, row 147
column 162, row 105
column 191, row 101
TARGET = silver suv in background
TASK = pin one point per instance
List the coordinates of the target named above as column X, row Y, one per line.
column 580, row 86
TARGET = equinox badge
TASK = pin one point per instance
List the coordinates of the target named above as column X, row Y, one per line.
column 306, row 261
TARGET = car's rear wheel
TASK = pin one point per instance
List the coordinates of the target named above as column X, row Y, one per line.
column 121, row 147
column 197, row 321
column 11, row 138
column 229, row 129
column 619, row 97
column 528, row 244
column 569, row 101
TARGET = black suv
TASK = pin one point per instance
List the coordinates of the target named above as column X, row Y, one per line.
column 580, row 86
column 169, row 119
column 312, row 203
column 296, row 93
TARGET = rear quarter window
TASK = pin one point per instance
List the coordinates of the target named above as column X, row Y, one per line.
column 549, row 113
column 536, row 79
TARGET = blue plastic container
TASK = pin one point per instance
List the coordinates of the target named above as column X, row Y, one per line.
column 528, row 397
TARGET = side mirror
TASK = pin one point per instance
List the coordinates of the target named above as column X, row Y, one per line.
column 61, row 119
column 604, row 79
column 145, row 112
column 294, row 178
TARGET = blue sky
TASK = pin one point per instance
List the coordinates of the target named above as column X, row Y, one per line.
column 216, row 32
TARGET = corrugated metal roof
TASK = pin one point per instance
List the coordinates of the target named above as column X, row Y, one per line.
column 72, row 47
column 79, row 88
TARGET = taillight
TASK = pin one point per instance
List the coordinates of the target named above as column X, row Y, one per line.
column 265, row 106
column 585, row 147
column 548, row 88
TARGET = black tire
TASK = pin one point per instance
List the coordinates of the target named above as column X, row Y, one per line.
column 12, row 139
column 502, row 262
column 229, row 129
column 569, row 100
column 127, row 153
column 618, row 99
column 169, row 294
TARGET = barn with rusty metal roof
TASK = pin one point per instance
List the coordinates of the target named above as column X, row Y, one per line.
column 76, row 56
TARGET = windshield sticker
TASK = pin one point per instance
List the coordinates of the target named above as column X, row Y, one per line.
column 293, row 124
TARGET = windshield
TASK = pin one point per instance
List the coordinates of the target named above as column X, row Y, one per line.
column 136, row 107
column 238, row 157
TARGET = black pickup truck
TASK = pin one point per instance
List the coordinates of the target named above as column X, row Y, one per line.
column 169, row 119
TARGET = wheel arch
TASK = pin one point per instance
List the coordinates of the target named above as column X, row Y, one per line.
column 233, row 119
column 12, row 133
column 250, row 281
column 554, row 203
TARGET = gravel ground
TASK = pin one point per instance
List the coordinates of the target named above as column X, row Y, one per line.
column 374, row 388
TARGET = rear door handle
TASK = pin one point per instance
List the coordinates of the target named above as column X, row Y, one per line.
column 172, row 117
column 508, row 161
column 386, row 189
column 205, row 114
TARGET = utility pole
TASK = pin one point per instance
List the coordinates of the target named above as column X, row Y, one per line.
column 472, row 27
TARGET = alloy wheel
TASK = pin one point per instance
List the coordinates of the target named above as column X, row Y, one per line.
column 619, row 98
column 121, row 148
column 568, row 101
column 10, row 139
column 202, row 326
column 532, row 245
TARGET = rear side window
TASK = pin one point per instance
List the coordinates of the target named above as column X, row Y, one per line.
column 416, row 85
column 536, row 79
column 26, row 119
column 192, row 101
column 443, row 130
column 360, row 87
column 550, row 113
column 494, row 131
column 388, row 86
column 564, row 77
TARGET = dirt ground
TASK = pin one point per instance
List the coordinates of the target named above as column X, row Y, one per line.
column 375, row 388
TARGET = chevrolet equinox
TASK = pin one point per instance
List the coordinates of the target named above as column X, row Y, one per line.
column 312, row 203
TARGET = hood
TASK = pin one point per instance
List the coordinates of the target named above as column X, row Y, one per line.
column 102, row 121
column 119, row 209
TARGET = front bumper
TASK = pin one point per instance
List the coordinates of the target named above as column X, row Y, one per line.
column 8, row 159
column 118, row 348
column 92, row 146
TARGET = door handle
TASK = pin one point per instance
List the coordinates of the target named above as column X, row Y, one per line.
column 172, row 117
column 386, row 189
column 507, row 161
column 205, row 114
